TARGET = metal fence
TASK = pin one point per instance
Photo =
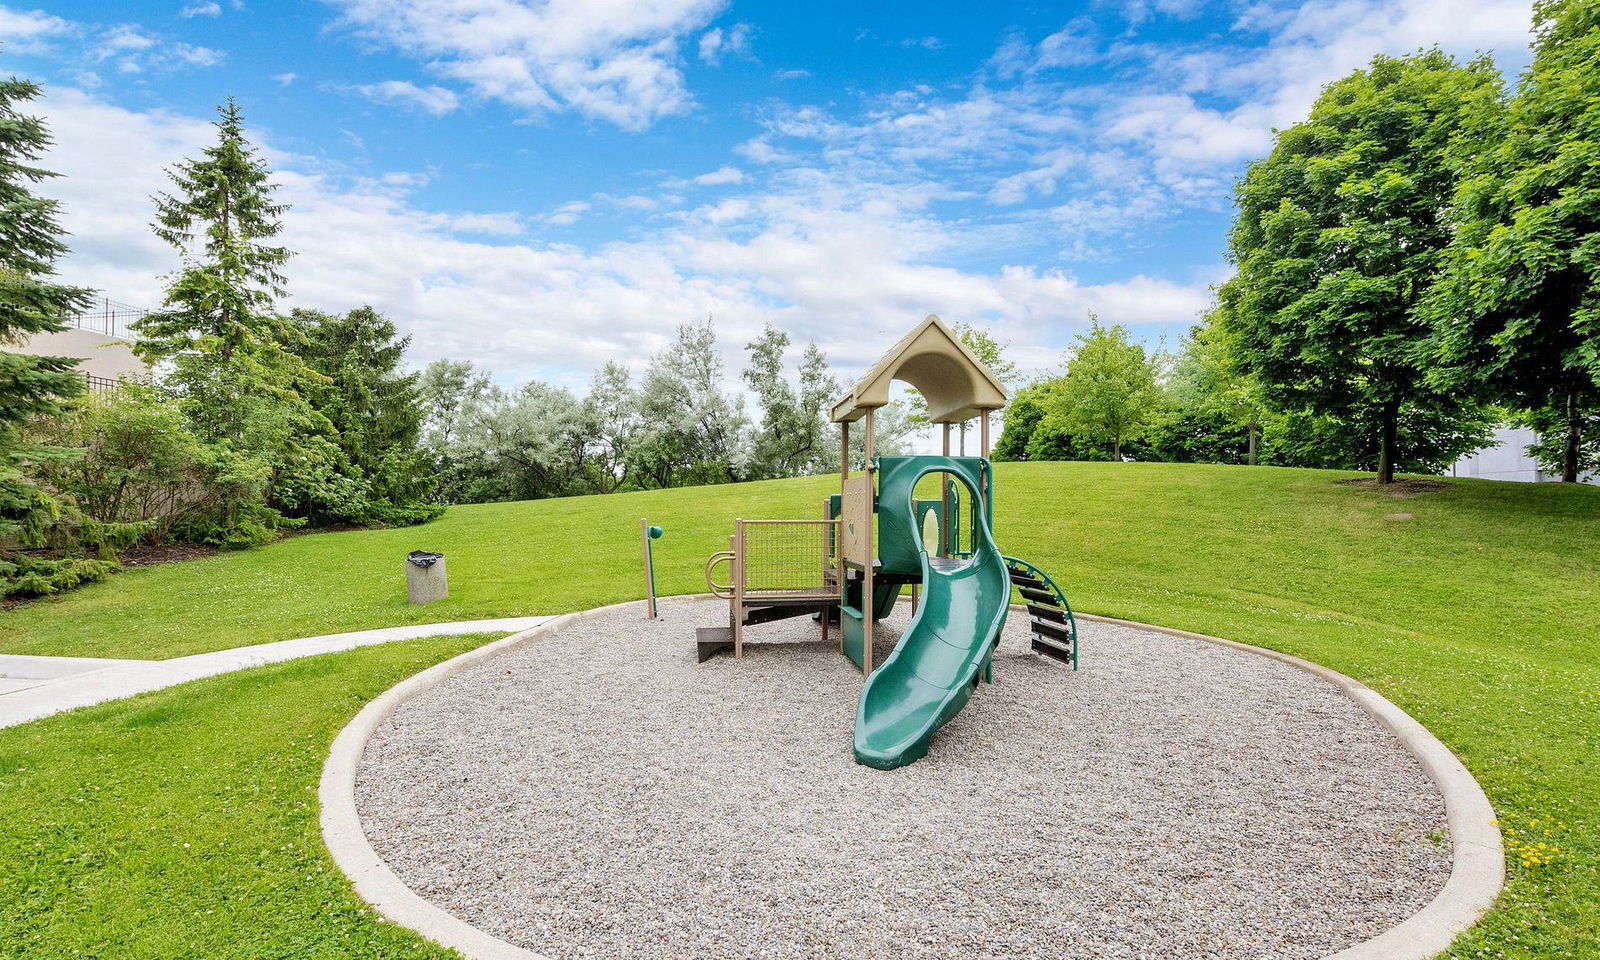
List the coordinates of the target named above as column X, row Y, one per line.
column 101, row 384
column 109, row 317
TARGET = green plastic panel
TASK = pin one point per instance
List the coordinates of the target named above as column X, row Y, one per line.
column 949, row 645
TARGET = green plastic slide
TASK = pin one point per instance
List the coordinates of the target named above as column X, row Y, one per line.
column 950, row 643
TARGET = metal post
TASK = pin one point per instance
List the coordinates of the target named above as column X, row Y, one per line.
column 944, row 496
column 649, row 571
column 738, row 589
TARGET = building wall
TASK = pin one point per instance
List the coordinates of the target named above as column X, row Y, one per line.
column 1506, row 458
column 109, row 358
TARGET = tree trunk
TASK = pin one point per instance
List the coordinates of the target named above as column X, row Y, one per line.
column 1116, row 450
column 1252, row 444
column 1386, row 445
column 1569, row 457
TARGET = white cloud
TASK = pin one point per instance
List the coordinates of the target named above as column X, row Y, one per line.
column 791, row 74
column 403, row 93
column 925, row 43
column 210, row 8
column 566, row 214
column 721, row 175
column 615, row 60
column 28, row 31
column 284, row 79
column 819, row 262
column 717, row 43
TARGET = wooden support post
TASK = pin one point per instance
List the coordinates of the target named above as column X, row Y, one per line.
column 844, row 455
column 984, row 435
column 838, row 528
column 867, row 597
column 738, row 589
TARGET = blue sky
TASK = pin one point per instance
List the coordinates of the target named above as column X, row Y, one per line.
column 540, row 187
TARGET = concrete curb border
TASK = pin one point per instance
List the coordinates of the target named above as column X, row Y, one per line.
column 1477, row 870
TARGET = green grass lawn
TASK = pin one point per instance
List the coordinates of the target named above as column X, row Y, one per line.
column 1476, row 608
column 183, row 823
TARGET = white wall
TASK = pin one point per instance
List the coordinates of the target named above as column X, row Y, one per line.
column 1506, row 458
column 108, row 357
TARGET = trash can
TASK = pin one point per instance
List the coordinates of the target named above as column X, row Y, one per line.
column 425, row 577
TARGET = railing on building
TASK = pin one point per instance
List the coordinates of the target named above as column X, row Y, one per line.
column 109, row 317
column 102, row 384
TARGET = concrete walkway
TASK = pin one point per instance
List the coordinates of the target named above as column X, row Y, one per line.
column 34, row 687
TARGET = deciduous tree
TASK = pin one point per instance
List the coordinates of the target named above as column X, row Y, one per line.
column 1517, row 312
column 1339, row 236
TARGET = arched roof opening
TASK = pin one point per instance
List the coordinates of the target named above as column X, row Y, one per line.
column 956, row 385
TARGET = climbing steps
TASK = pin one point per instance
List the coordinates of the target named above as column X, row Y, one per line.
column 1055, row 631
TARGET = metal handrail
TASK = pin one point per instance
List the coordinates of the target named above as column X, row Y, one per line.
column 722, row 591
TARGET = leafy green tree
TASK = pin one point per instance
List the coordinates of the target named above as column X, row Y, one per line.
column 453, row 395
column 1109, row 394
column 1339, row 237
column 794, row 438
column 611, row 412
column 533, row 441
column 1212, row 411
column 1517, row 312
column 235, row 365
column 141, row 466
column 32, row 302
column 692, row 433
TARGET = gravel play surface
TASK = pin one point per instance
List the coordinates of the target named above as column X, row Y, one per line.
column 599, row 794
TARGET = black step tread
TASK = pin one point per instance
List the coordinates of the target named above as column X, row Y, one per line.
column 1048, row 613
column 1043, row 596
column 1052, row 649
column 1052, row 631
column 1022, row 579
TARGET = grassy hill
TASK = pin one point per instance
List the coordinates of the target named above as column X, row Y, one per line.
column 1475, row 606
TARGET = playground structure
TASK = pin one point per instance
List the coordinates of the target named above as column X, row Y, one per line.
column 877, row 537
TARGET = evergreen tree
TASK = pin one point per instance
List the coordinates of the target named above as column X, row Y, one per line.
column 235, row 363
column 376, row 410
column 32, row 302
column 1338, row 238
column 1517, row 312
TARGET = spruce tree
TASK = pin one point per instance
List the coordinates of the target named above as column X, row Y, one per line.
column 31, row 302
column 236, row 368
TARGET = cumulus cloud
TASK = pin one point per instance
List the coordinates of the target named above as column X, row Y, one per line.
column 717, row 43
column 614, row 60
column 29, row 31
column 403, row 93
column 207, row 9
column 823, row 263
column 721, row 175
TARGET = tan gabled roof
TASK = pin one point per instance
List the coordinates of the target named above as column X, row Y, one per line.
column 955, row 383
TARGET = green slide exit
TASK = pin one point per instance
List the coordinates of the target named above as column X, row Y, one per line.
column 950, row 642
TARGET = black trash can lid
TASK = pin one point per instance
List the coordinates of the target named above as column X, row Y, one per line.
column 423, row 558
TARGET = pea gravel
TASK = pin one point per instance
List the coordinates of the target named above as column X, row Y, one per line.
column 599, row 794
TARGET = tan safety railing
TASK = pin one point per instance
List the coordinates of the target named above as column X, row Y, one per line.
column 785, row 557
